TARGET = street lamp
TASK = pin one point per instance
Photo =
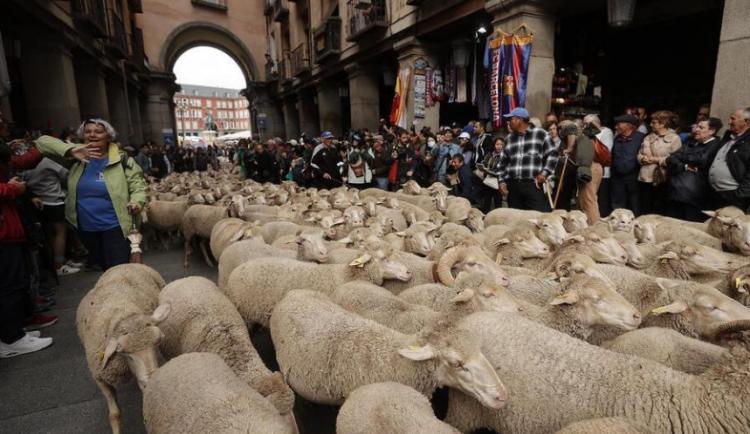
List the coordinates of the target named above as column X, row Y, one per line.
column 182, row 105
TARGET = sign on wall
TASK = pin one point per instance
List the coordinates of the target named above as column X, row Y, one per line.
column 420, row 87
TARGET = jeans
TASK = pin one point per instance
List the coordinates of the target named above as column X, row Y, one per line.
column 381, row 182
column 15, row 301
column 605, row 203
column 624, row 193
column 106, row 248
column 523, row 194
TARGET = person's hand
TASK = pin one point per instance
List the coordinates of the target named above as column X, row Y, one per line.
column 37, row 202
column 83, row 153
column 539, row 180
column 503, row 189
column 134, row 208
column 394, row 154
column 16, row 144
column 20, row 185
column 326, row 176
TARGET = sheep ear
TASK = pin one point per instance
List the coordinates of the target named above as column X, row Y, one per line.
column 499, row 259
column 709, row 213
column 567, row 297
column 463, row 297
column 418, row 354
column 534, row 222
column 361, row 261
column 501, row 242
column 346, row 240
column 237, row 236
column 161, row 313
column 675, row 307
column 401, row 233
column 667, row 284
column 575, row 239
column 667, row 256
column 113, row 346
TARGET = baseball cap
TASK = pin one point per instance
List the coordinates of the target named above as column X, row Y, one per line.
column 292, row 142
column 464, row 135
column 631, row 119
column 326, row 135
column 518, row 112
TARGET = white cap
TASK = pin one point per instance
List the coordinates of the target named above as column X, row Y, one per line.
column 606, row 137
column 464, row 135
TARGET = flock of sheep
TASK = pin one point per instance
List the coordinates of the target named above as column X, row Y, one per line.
column 536, row 323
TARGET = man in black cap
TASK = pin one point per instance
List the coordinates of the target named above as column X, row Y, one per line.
column 624, row 178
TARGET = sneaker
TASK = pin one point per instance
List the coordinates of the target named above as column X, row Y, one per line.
column 67, row 269
column 38, row 321
column 75, row 264
column 42, row 305
column 27, row 344
column 35, row 333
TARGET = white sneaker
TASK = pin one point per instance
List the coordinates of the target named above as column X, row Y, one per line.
column 25, row 345
column 75, row 264
column 34, row 333
column 67, row 269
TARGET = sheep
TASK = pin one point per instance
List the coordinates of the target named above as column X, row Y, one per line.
column 203, row 319
column 598, row 243
column 117, row 325
column 418, row 238
column 717, row 224
column 509, row 216
column 326, row 352
column 354, row 216
column 228, row 231
column 620, row 220
column 691, row 261
column 475, row 220
column 448, row 227
column 609, row 425
column 629, row 243
column 458, row 210
column 388, row 408
column 669, row 348
column 199, row 393
column 310, row 247
column 411, row 187
column 164, row 217
column 644, row 233
column 437, row 201
column 518, row 245
column 199, row 220
column 396, row 217
column 256, row 286
column 677, row 232
column 556, row 380
column 472, row 294
column 271, row 231
column 736, row 235
column 574, row 220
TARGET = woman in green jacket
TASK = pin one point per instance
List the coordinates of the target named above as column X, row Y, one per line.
column 104, row 193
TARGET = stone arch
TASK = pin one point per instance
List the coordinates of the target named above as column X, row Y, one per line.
column 200, row 33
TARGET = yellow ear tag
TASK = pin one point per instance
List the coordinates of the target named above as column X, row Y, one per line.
column 415, row 347
column 660, row 310
column 664, row 260
column 101, row 356
column 736, row 283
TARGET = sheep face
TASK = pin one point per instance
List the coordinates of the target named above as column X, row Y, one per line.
column 391, row 268
column 354, row 216
column 312, row 247
column 441, row 201
column 550, row 229
column 635, row 257
column 527, row 244
column 419, row 242
column 569, row 266
column 412, row 187
column 703, row 306
column 697, row 259
column 137, row 339
column 719, row 219
column 474, row 259
column 475, row 221
column 596, row 303
column 621, row 220
column 238, row 205
column 371, row 206
column 488, row 297
column 461, row 365
column 574, row 221
column 644, row 232
column 605, row 249
column 321, row 205
column 341, row 201
column 737, row 235
column 437, row 218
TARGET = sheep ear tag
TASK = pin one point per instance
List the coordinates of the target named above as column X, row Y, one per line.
column 361, row 261
column 676, row 307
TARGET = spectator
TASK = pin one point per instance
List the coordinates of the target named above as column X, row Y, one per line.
column 404, row 153
column 325, row 163
column 297, row 167
column 625, row 167
column 729, row 175
column 491, row 198
column 158, row 163
column 358, row 169
column 552, row 129
column 483, row 143
column 263, row 166
column 655, row 149
column 242, row 151
column 465, row 185
column 200, row 160
column 642, row 115
column 606, row 138
column 565, row 143
column 688, row 169
column 381, row 162
column 422, row 170
column 528, row 158
column 589, row 172
column 144, row 159
column 467, row 148
column 704, row 112
column 442, row 154
column 551, row 117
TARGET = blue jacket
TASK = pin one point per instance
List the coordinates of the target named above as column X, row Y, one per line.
column 625, row 154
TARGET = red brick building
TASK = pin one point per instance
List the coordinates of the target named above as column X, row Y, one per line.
column 227, row 109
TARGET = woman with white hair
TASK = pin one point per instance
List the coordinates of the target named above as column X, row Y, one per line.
column 104, row 193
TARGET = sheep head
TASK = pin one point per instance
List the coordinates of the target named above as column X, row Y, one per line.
column 419, row 239
column 461, row 364
column 411, row 187
column 736, row 235
column 704, row 308
column 137, row 338
column 475, row 220
column 440, row 199
column 595, row 302
column 469, row 259
column 569, row 265
column 719, row 219
column 628, row 243
column 381, row 264
column 574, row 221
column 480, row 292
column 550, row 229
column 340, row 201
column 696, row 259
column 601, row 246
column 312, row 247
column 526, row 242
column 620, row 220
column 354, row 216
column 644, row 232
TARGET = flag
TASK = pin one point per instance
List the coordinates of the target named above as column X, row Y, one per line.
column 398, row 107
column 510, row 69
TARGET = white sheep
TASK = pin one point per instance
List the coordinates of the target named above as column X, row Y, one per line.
column 199, row 220
column 391, row 408
column 164, row 218
column 117, row 325
column 228, row 231
column 199, row 393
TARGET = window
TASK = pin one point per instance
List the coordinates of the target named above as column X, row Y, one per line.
column 208, row 103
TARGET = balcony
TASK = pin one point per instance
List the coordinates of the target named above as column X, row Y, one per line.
column 300, row 60
column 215, row 4
column 285, row 71
column 136, row 6
column 118, row 39
column 92, row 15
column 364, row 16
column 328, row 39
column 280, row 10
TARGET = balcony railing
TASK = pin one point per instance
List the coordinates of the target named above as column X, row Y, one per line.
column 280, row 10
column 365, row 15
column 91, row 14
column 328, row 39
column 300, row 60
column 118, row 39
column 216, row 4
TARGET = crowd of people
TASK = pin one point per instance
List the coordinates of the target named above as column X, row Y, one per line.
column 66, row 206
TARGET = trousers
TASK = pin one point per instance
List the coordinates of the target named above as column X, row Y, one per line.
column 106, row 248
column 523, row 194
column 587, row 194
column 15, row 301
column 623, row 192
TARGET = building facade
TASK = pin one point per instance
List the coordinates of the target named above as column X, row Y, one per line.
column 200, row 108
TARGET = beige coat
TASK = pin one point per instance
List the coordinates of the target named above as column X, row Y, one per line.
column 656, row 146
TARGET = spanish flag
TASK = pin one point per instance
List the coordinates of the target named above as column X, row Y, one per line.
column 398, row 107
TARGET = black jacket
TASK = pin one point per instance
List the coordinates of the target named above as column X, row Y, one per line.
column 625, row 155
column 686, row 186
column 738, row 160
column 326, row 160
column 263, row 168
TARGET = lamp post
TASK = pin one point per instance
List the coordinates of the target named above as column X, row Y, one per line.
column 182, row 105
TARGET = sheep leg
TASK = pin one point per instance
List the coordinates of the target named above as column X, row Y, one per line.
column 188, row 251
column 205, row 252
column 114, row 410
column 164, row 238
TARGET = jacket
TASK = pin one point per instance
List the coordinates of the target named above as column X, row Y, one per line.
column 738, row 161
column 625, row 154
column 687, row 186
column 125, row 185
column 656, row 146
column 263, row 168
column 381, row 163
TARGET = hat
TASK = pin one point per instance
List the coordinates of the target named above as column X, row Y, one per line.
column 128, row 149
column 464, row 135
column 326, row 135
column 292, row 142
column 606, row 137
column 631, row 119
column 518, row 112
column 377, row 138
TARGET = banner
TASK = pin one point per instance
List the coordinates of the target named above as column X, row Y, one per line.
column 510, row 55
column 398, row 107
column 420, row 88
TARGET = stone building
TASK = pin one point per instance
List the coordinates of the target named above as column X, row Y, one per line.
column 197, row 106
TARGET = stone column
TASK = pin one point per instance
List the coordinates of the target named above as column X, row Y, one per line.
column 733, row 63
column 118, row 109
column 409, row 51
column 329, row 106
column 291, row 118
column 159, row 118
column 308, row 112
column 135, row 116
column 364, row 96
column 51, row 98
column 508, row 15
column 261, row 103
column 92, row 90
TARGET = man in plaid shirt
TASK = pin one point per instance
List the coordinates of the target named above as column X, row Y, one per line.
column 528, row 158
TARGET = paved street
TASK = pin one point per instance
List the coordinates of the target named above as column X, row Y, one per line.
column 51, row 391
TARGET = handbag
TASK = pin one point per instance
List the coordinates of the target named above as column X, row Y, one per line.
column 491, row 182
column 661, row 175
column 601, row 153
column 479, row 173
